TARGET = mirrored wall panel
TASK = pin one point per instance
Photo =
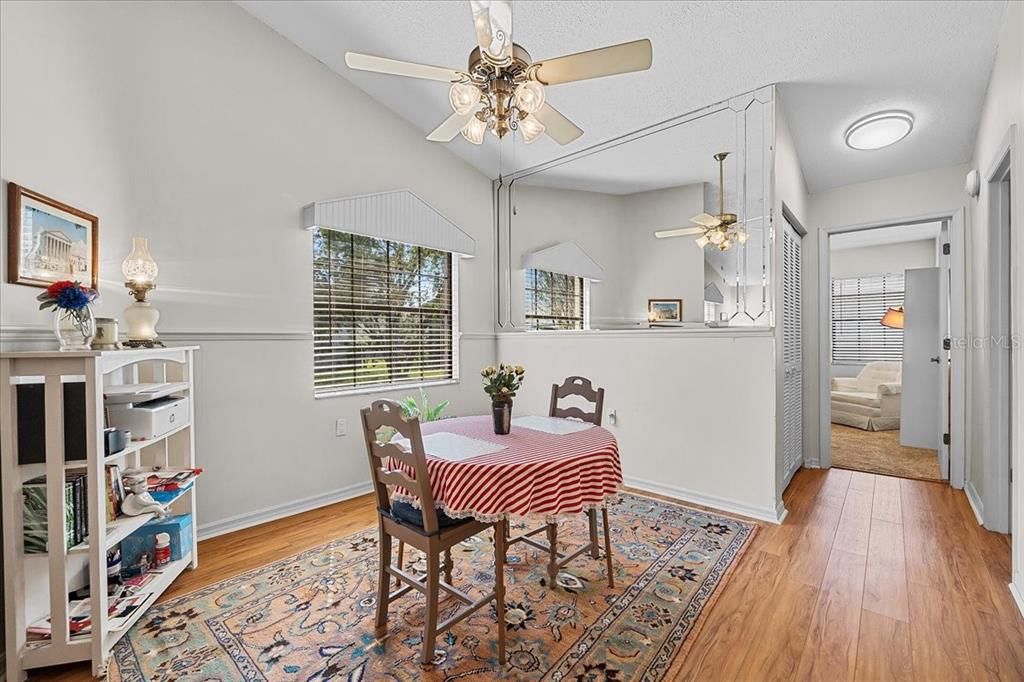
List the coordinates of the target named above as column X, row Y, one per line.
column 664, row 227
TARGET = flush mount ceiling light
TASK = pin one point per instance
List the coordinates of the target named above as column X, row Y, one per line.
column 879, row 130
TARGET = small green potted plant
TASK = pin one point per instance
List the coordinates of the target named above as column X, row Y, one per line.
column 501, row 383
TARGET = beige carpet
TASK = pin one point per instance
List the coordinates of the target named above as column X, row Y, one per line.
column 880, row 452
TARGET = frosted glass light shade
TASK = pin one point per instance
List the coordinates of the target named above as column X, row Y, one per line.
column 141, row 319
column 474, row 130
column 139, row 267
column 529, row 96
column 879, row 130
column 531, row 129
column 702, row 241
column 463, row 97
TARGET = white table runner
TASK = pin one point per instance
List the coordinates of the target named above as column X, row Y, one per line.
column 452, row 446
column 555, row 425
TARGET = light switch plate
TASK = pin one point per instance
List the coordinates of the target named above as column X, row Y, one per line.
column 341, row 427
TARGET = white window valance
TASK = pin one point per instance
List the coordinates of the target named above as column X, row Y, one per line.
column 397, row 216
column 712, row 294
column 565, row 258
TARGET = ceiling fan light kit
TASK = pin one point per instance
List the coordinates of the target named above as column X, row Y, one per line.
column 503, row 89
column 722, row 230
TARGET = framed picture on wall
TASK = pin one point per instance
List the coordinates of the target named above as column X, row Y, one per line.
column 665, row 310
column 49, row 241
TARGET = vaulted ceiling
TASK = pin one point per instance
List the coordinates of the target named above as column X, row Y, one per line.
column 834, row 61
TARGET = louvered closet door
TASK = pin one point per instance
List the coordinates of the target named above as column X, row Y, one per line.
column 792, row 355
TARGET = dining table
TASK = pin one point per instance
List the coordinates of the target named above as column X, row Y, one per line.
column 543, row 469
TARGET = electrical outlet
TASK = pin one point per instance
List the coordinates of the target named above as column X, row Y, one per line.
column 341, row 427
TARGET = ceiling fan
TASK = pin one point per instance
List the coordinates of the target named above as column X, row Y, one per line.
column 720, row 230
column 503, row 89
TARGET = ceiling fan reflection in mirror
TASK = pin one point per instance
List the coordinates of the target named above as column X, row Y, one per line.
column 503, row 89
column 722, row 230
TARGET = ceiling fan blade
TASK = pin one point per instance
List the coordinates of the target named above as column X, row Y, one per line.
column 365, row 62
column 678, row 232
column 493, row 22
column 604, row 61
column 706, row 219
column 451, row 127
column 557, row 126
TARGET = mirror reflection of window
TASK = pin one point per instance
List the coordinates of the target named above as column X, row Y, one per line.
column 554, row 301
column 614, row 202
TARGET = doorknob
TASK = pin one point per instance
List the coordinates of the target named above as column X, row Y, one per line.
column 935, row 359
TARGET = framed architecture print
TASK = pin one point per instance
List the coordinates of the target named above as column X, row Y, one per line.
column 49, row 241
column 665, row 310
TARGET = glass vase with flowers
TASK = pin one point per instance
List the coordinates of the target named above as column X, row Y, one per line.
column 73, row 321
column 501, row 383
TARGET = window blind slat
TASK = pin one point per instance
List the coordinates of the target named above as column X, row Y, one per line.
column 382, row 312
column 858, row 304
column 553, row 301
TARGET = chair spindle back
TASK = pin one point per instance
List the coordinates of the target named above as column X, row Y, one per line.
column 384, row 457
column 582, row 387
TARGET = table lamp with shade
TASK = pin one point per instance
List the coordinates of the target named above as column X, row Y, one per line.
column 893, row 318
column 139, row 271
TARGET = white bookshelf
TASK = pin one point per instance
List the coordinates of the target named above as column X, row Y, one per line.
column 37, row 585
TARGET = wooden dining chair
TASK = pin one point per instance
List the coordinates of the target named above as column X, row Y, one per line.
column 426, row 529
column 582, row 387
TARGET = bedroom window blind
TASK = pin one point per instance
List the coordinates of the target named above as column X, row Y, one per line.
column 858, row 304
column 382, row 313
column 554, row 301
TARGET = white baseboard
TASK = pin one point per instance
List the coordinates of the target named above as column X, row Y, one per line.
column 1017, row 597
column 768, row 514
column 977, row 506
column 254, row 518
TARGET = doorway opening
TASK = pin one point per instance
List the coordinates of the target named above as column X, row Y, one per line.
column 892, row 392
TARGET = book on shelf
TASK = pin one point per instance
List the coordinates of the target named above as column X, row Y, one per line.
column 35, row 518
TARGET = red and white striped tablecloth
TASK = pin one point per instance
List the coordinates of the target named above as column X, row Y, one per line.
column 538, row 473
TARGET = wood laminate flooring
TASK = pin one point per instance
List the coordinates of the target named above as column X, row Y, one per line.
column 869, row 578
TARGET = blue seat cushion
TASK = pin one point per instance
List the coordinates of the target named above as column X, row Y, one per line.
column 410, row 514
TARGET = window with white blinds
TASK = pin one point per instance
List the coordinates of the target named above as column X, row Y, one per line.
column 858, row 304
column 382, row 313
column 554, row 301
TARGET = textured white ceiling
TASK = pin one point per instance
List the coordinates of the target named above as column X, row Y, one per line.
column 835, row 62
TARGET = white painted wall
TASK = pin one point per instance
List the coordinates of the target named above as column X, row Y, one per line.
column 617, row 231
column 1004, row 107
column 882, row 259
column 695, row 408
column 906, row 196
column 662, row 268
column 545, row 216
column 196, row 125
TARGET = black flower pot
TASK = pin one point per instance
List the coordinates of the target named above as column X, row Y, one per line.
column 502, row 412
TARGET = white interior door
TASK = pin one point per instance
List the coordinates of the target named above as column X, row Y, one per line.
column 792, row 355
column 922, row 366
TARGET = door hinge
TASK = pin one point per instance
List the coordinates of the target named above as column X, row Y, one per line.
column 945, row 439
column 945, row 248
column 947, row 343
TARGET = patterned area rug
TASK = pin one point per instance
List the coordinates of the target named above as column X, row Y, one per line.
column 310, row 617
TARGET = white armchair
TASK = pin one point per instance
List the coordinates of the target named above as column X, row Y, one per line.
column 871, row 400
